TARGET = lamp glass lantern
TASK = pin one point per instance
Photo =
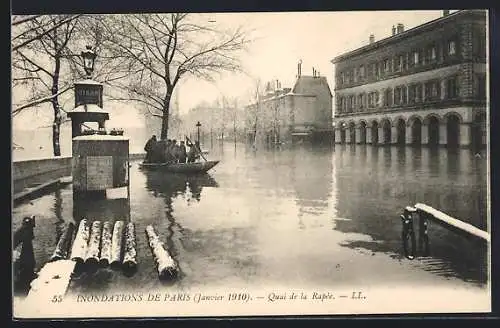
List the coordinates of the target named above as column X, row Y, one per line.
column 88, row 60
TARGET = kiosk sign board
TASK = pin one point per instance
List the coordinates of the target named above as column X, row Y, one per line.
column 88, row 94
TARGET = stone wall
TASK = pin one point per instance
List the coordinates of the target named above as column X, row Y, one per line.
column 29, row 168
column 25, row 169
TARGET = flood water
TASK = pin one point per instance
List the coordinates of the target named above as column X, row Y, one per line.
column 308, row 216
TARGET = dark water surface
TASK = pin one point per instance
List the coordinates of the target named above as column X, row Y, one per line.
column 307, row 216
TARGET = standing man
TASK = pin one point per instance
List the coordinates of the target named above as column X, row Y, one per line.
column 176, row 150
column 150, row 145
column 191, row 156
column 182, row 153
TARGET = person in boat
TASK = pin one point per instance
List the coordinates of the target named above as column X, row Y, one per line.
column 194, row 152
column 148, row 148
column 182, row 153
column 168, row 152
column 191, row 156
column 197, row 149
column 158, row 152
column 176, row 150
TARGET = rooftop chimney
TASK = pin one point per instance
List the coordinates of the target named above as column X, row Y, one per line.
column 372, row 38
column 393, row 30
column 401, row 28
column 299, row 68
column 446, row 12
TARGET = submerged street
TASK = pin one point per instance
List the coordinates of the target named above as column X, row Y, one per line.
column 308, row 217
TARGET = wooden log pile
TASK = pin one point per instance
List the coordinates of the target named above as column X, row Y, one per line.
column 117, row 244
column 79, row 249
column 93, row 249
column 62, row 249
column 166, row 266
column 130, row 253
column 106, row 240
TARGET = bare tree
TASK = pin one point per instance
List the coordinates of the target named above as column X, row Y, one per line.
column 254, row 111
column 46, row 61
column 38, row 65
column 163, row 49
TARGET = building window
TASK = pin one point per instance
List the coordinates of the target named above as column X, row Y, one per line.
column 378, row 70
column 452, row 88
column 397, row 96
column 432, row 91
column 388, row 98
column 416, row 58
column 452, row 47
column 386, row 65
column 362, row 72
column 433, row 53
column 479, row 42
column 342, row 78
column 400, row 63
column 415, row 93
column 404, row 98
column 481, row 87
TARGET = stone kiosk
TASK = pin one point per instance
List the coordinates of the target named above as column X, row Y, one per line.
column 100, row 160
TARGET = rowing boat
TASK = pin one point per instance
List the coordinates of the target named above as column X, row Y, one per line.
column 196, row 167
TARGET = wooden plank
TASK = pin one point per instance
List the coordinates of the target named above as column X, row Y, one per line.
column 52, row 281
column 445, row 218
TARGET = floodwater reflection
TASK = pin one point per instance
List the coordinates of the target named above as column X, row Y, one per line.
column 373, row 196
column 292, row 216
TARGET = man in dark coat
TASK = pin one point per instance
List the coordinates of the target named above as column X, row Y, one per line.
column 182, row 153
column 150, row 145
column 160, row 151
column 176, row 150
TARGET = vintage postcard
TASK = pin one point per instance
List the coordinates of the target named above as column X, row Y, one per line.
column 250, row 164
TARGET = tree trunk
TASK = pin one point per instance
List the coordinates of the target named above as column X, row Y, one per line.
column 164, row 120
column 56, row 126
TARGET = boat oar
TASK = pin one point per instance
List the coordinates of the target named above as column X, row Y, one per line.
column 197, row 149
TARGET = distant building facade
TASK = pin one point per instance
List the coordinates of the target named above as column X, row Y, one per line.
column 286, row 115
column 423, row 86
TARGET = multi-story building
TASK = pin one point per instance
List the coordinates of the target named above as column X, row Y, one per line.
column 425, row 86
column 284, row 115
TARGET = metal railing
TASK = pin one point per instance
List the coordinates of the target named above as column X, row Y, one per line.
column 421, row 214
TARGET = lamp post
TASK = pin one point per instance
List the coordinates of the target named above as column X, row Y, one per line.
column 88, row 60
column 198, row 126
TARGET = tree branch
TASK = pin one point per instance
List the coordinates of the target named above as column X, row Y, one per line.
column 39, row 36
column 40, row 101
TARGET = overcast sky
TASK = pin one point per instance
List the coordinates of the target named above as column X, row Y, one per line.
column 280, row 40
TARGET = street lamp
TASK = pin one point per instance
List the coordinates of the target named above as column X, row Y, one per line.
column 88, row 60
column 198, row 126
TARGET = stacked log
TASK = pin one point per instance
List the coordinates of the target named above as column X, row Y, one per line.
column 166, row 266
column 117, row 244
column 79, row 249
column 63, row 245
column 130, row 253
column 92, row 256
column 107, row 233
